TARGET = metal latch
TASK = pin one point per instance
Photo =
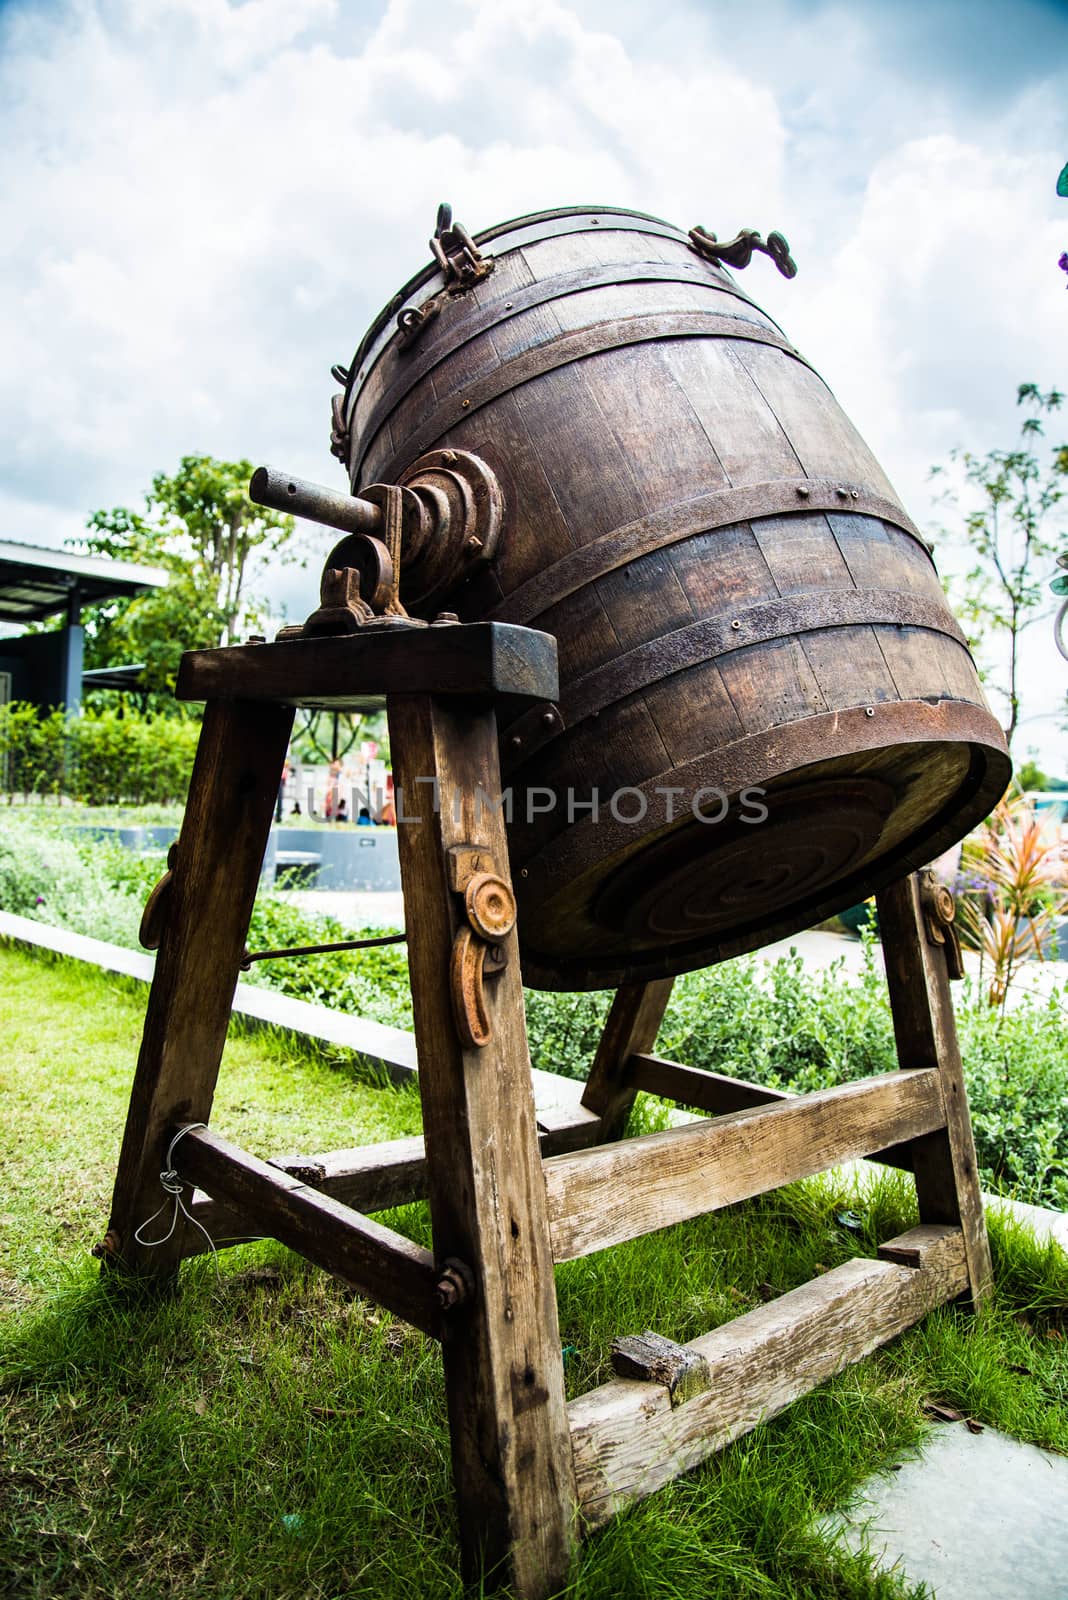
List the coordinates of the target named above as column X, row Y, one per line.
column 461, row 262
column 477, row 950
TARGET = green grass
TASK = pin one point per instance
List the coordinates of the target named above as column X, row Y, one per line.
column 268, row 1434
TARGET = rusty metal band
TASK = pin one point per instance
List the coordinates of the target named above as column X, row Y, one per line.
column 722, row 508
column 757, row 759
column 716, row 637
column 484, row 319
column 559, row 351
column 516, row 234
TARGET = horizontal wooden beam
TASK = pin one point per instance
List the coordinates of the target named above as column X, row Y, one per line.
column 377, row 1262
column 611, row 1193
column 712, row 1092
column 716, row 1094
column 480, row 659
column 627, row 1438
column 376, row 1177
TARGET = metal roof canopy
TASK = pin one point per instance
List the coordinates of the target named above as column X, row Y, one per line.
column 36, row 582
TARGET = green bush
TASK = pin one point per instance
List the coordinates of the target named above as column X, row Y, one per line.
column 101, row 756
column 96, row 888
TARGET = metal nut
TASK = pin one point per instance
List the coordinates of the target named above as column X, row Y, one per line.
column 456, row 1284
column 490, row 905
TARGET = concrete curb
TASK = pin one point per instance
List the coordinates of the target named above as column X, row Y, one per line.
column 392, row 1050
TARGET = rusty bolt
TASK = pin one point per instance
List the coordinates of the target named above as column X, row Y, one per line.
column 108, row 1246
column 446, row 617
column 803, row 490
column 256, row 638
column 448, row 458
column 548, row 719
column 456, row 1284
column 472, row 544
column 843, row 494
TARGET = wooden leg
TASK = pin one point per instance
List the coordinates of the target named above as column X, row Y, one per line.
column 947, row 1180
column 631, row 1029
column 224, row 833
column 511, row 1447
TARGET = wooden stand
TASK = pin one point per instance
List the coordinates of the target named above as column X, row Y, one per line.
column 509, row 1196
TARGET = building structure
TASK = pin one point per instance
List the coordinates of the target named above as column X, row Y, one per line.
column 37, row 583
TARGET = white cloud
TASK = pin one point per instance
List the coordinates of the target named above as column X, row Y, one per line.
column 205, row 202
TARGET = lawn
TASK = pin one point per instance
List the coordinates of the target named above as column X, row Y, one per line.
column 269, row 1434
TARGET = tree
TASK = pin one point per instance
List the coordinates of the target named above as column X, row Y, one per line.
column 1006, row 502
column 201, row 528
column 1029, row 775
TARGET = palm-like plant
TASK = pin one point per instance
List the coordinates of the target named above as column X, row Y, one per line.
column 1012, row 890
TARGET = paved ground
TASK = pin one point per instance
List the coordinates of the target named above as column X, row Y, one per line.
column 973, row 1515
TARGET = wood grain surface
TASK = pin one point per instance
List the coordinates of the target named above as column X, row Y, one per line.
column 610, row 1193
column 629, row 1440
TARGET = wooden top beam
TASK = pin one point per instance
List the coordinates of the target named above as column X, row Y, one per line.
column 477, row 659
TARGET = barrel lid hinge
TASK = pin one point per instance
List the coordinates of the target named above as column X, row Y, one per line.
column 461, row 262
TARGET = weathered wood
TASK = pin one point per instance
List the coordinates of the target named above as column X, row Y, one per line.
column 379, row 1263
column 377, row 1177
column 916, row 1248
column 947, row 1174
column 654, row 1359
column 481, row 659
column 503, row 1369
column 629, row 1440
column 227, row 819
column 632, row 1024
column 603, row 1196
column 695, row 1088
column 716, row 1094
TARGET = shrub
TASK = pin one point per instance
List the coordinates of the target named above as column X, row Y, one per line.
column 92, row 888
column 101, row 756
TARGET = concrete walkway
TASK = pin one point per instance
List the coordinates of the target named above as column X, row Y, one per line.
column 973, row 1515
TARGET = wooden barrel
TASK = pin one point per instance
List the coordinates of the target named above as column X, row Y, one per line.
column 740, row 600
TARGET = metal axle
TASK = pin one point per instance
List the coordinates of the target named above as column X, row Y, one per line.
column 282, row 492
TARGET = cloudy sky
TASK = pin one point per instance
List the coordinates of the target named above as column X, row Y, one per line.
column 205, row 202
